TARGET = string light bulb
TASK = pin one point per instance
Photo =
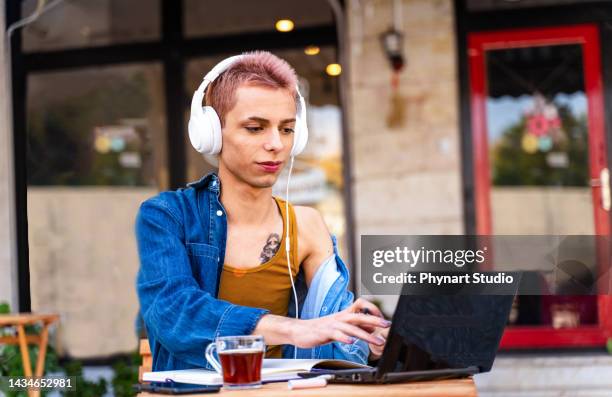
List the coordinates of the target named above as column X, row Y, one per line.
column 333, row 69
column 312, row 50
column 284, row 25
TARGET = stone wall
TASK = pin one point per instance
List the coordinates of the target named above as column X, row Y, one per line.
column 8, row 277
column 406, row 179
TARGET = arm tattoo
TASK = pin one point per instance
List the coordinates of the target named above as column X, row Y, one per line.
column 270, row 248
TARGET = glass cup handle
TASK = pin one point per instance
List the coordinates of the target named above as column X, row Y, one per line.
column 211, row 358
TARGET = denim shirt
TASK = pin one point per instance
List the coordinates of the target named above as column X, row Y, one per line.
column 181, row 238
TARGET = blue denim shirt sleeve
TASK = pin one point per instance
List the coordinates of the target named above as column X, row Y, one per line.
column 331, row 282
column 177, row 312
column 357, row 351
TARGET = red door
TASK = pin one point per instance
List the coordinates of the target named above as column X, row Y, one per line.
column 540, row 164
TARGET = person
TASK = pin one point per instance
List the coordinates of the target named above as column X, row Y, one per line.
column 212, row 255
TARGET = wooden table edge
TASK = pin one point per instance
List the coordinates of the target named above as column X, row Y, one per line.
column 448, row 388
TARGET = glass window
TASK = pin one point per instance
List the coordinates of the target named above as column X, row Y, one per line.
column 96, row 151
column 317, row 174
column 538, row 138
column 98, row 126
column 83, row 23
column 215, row 18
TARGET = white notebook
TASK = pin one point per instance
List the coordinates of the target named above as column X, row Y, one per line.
column 273, row 370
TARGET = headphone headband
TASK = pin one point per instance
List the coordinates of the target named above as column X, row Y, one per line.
column 218, row 69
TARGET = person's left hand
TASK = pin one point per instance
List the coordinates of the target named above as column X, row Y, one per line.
column 377, row 350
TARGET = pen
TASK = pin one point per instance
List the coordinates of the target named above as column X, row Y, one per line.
column 309, row 383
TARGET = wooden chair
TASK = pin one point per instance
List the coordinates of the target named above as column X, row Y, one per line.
column 147, row 359
column 23, row 339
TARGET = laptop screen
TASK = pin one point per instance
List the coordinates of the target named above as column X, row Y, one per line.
column 445, row 331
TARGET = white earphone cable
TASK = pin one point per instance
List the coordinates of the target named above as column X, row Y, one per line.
column 287, row 245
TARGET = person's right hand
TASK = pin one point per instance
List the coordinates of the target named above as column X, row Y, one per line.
column 344, row 326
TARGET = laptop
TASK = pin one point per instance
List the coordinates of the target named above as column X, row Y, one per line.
column 436, row 337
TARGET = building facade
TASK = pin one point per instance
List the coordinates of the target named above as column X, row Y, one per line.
column 491, row 117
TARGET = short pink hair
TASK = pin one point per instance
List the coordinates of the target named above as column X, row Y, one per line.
column 259, row 68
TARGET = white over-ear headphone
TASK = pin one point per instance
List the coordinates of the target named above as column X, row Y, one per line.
column 205, row 125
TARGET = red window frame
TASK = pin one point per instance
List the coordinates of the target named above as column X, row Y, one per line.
column 587, row 35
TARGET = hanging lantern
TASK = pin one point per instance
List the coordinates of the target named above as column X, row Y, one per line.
column 393, row 44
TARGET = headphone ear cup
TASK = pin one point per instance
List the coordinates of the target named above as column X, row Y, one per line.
column 301, row 128
column 205, row 131
column 301, row 137
column 195, row 128
column 214, row 126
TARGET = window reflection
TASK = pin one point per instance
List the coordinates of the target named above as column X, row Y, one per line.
column 538, row 141
column 84, row 23
column 101, row 126
column 539, row 164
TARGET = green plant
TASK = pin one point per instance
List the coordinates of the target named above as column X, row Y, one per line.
column 126, row 374
column 83, row 387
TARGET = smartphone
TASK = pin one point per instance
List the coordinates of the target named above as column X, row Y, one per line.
column 175, row 388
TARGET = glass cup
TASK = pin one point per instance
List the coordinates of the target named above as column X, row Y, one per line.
column 241, row 359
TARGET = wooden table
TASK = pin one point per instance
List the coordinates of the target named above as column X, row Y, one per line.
column 446, row 388
column 20, row 321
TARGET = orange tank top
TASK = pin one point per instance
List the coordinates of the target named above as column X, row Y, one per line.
column 268, row 285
